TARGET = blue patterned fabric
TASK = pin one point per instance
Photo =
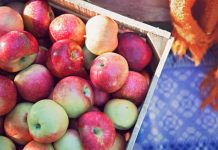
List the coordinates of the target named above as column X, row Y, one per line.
column 174, row 120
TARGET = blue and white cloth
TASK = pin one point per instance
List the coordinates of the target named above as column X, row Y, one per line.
column 174, row 120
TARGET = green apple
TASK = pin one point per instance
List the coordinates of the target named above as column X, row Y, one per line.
column 47, row 121
column 15, row 123
column 69, row 141
column 123, row 113
column 6, row 144
column 120, row 143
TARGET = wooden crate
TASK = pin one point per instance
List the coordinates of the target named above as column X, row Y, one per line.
column 160, row 41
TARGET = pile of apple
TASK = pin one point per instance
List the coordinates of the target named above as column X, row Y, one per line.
column 67, row 85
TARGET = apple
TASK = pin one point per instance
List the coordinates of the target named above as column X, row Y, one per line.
column 47, row 121
column 71, row 140
column 94, row 109
column 67, row 26
column 123, row 113
column 18, row 50
column 15, row 123
column 74, row 94
column 134, row 89
column 18, row 6
column 10, row 20
column 6, row 144
column 101, row 34
column 1, row 125
column 120, row 143
column 65, row 58
column 136, row 51
column 96, row 131
column 34, row 83
column 8, row 95
column 42, row 56
column 147, row 76
column 37, row 16
column 88, row 58
column 100, row 97
column 109, row 72
column 33, row 145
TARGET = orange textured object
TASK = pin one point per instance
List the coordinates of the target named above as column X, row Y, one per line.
column 195, row 24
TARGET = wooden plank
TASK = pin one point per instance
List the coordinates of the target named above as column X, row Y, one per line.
column 142, row 10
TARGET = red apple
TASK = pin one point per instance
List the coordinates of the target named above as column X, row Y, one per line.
column 8, row 95
column 18, row 50
column 67, row 26
column 33, row 145
column 147, row 76
column 65, row 58
column 10, row 20
column 94, row 109
column 96, row 131
column 15, row 123
column 42, row 55
column 134, row 89
column 136, row 51
column 100, row 97
column 37, row 16
column 109, row 72
column 18, row 6
column 1, row 125
column 74, row 94
column 34, row 83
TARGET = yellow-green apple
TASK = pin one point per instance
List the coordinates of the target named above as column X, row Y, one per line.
column 123, row 113
column 134, row 89
column 18, row 50
column 96, row 131
column 120, row 143
column 137, row 52
column 41, row 56
column 37, row 78
column 1, row 125
column 74, row 94
column 8, row 95
column 67, row 26
column 100, row 97
column 70, row 141
column 15, row 123
column 65, row 58
column 33, row 145
column 18, row 6
column 88, row 58
column 109, row 72
column 101, row 34
column 47, row 121
column 6, row 144
column 37, row 16
column 10, row 20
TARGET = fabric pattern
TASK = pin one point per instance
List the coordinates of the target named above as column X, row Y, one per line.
column 174, row 120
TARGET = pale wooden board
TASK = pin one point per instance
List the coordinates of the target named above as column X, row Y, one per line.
column 142, row 10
